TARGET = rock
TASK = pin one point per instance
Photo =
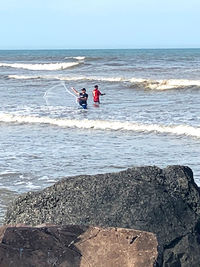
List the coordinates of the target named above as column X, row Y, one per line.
column 73, row 246
column 163, row 201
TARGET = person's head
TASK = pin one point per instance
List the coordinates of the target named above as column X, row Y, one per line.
column 96, row 86
column 83, row 90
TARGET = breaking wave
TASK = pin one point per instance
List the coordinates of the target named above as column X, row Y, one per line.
column 78, row 57
column 36, row 66
column 104, row 125
column 134, row 82
column 25, row 77
column 64, row 78
column 165, row 84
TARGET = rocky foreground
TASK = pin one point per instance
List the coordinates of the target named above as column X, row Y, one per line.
column 74, row 246
column 165, row 202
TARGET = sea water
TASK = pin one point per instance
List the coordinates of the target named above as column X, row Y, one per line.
column 150, row 114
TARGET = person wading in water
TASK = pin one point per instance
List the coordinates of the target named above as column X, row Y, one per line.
column 96, row 93
column 82, row 97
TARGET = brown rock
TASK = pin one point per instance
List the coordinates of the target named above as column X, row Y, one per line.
column 73, row 246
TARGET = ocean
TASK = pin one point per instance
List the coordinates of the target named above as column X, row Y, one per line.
column 149, row 115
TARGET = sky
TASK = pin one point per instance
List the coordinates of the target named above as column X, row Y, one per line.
column 93, row 24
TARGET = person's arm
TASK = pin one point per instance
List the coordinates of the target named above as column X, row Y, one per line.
column 75, row 91
column 101, row 93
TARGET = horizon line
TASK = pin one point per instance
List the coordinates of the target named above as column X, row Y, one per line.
column 153, row 48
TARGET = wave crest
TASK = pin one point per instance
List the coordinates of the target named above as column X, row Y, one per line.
column 165, row 84
column 134, row 82
column 78, row 58
column 44, row 66
column 104, row 125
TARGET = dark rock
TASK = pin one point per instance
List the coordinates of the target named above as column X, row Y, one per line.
column 163, row 201
column 73, row 246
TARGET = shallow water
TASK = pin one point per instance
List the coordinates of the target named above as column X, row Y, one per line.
column 149, row 115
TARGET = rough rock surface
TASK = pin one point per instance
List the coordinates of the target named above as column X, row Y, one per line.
column 163, row 201
column 73, row 246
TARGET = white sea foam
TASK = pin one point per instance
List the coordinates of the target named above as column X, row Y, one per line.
column 45, row 66
column 78, row 58
column 65, row 78
column 104, row 125
column 24, row 77
column 93, row 78
column 144, row 83
column 165, row 84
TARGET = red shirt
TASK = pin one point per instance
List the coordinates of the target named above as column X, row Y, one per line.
column 96, row 93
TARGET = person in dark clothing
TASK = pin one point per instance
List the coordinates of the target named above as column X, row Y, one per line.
column 82, row 97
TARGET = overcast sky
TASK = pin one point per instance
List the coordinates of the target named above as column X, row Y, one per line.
column 49, row 24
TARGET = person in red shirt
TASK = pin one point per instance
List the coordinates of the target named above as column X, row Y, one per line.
column 96, row 93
